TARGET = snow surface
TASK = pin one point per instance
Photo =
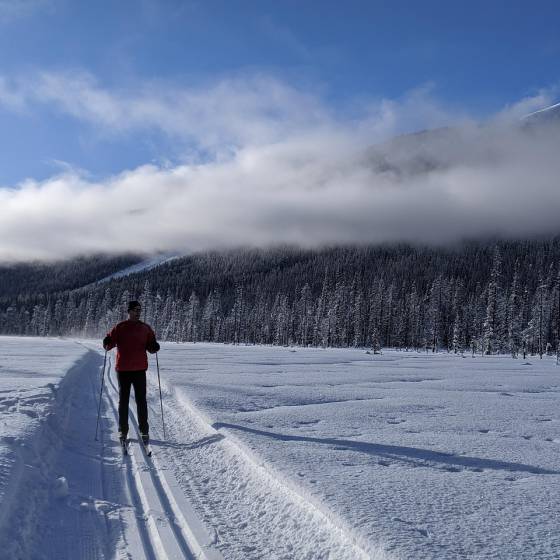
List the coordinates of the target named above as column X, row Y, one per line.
column 435, row 456
column 31, row 372
column 280, row 453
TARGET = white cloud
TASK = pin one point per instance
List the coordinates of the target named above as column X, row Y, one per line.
column 529, row 104
column 227, row 114
column 286, row 169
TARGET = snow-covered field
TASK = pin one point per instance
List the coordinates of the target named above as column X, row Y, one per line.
column 281, row 453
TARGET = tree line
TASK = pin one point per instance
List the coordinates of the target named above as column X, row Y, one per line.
column 500, row 297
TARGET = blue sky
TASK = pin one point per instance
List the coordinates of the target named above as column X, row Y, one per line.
column 475, row 57
column 183, row 125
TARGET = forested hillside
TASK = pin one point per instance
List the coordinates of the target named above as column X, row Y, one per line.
column 28, row 279
column 483, row 297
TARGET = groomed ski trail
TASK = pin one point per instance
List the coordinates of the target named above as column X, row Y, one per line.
column 173, row 531
column 114, row 506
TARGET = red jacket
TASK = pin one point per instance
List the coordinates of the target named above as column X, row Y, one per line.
column 132, row 339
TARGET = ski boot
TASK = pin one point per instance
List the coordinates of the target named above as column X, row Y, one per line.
column 146, row 443
column 123, row 439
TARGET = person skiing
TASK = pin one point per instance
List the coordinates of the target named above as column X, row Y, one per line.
column 132, row 339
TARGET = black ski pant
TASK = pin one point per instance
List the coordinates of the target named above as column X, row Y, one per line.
column 138, row 379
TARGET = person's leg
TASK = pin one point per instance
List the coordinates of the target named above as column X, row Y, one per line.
column 139, row 382
column 124, row 396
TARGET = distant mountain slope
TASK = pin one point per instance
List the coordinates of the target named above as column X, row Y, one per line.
column 31, row 278
column 419, row 153
column 395, row 296
column 142, row 266
column 546, row 115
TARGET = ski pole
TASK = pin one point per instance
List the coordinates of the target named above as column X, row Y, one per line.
column 160, row 399
column 100, row 394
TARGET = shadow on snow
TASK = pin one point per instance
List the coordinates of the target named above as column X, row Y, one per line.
column 413, row 455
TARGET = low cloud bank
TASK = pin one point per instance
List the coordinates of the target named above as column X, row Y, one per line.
column 280, row 167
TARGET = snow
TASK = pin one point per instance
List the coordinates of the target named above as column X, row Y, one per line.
column 61, row 489
column 280, row 453
column 432, row 455
column 142, row 266
column 31, row 375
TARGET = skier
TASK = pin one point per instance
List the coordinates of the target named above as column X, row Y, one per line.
column 132, row 339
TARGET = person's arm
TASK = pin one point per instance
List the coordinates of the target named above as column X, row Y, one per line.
column 110, row 341
column 152, row 345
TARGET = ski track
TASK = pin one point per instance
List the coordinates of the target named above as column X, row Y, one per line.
column 169, row 535
column 202, row 495
column 163, row 529
column 115, row 506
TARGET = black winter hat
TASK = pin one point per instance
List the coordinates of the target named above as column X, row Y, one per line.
column 133, row 305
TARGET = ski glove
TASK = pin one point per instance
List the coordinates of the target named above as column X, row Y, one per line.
column 153, row 347
column 107, row 343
